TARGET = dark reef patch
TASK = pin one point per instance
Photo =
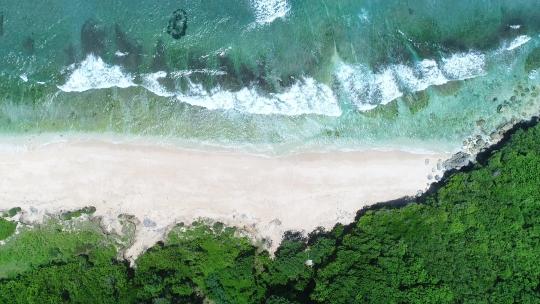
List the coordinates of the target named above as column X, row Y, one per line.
column 131, row 51
column 1, row 24
column 159, row 59
column 177, row 24
column 417, row 101
column 93, row 38
column 28, row 45
column 533, row 60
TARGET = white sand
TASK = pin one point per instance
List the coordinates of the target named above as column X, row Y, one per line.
column 162, row 186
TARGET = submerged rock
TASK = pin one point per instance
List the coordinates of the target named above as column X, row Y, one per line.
column 533, row 60
column 417, row 101
column 28, row 45
column 92, row 38
column 129, row 53
column 1, row 24
column 159, row 59
column 449, row 88
column 177, row 24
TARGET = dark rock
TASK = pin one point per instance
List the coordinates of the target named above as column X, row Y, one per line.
column 480, row 122
column 1, row 24
column 458, row 160
column 93, row 38
column 177, row 24
column 131, row 51
column 417, row 101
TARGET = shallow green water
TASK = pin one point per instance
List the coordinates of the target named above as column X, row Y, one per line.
column 276, row 74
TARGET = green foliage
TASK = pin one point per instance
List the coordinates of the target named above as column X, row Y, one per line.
column 201, row 261
column 77, row 213
column 475, row 240
column 11, row 212
column 80, row 280
column 52, row 242
column 7, row 228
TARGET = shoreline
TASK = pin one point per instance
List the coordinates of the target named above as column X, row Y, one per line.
column 24, row 141
column 163, row 186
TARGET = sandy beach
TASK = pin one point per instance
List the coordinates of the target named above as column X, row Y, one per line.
column 162, row 186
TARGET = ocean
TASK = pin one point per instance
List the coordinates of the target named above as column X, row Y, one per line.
column 270, row 75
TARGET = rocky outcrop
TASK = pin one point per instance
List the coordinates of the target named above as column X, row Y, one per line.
column 177, row 24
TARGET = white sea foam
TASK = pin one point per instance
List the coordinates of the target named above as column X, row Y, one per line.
column 266, row 11
column 151, row 83
column 367, row 89
column 425, row 74
column 304, row 97
column 534, row 74
column 93, row 73
column 519, row 41
column 210, row 72
column 463, row 66
column 120, row 54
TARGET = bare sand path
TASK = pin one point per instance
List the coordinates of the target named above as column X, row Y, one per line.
column 162, row 186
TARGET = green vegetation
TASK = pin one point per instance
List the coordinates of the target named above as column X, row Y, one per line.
column 476, row 239
column 77, row 213
column 7, row 228
column 11, row 212
column 54, row 243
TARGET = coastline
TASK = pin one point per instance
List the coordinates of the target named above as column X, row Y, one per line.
column 162, row 186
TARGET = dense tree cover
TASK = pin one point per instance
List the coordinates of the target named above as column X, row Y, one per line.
column 476, row 239
column 7, row 228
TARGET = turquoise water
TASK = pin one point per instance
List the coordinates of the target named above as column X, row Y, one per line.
column 277, row 74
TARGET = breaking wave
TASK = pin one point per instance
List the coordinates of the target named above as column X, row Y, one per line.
column 367, row 89
column 358, row 84
column 94, row 73
column 266, row 11
column 306, row 96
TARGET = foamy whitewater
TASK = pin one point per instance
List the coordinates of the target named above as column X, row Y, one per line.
column 266, row 11
column 94, row 73
column 361, row 86
column 368, row 90
column 306, row 96
column 519, row 41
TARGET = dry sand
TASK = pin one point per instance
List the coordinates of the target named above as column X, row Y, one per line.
column 162, row 186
